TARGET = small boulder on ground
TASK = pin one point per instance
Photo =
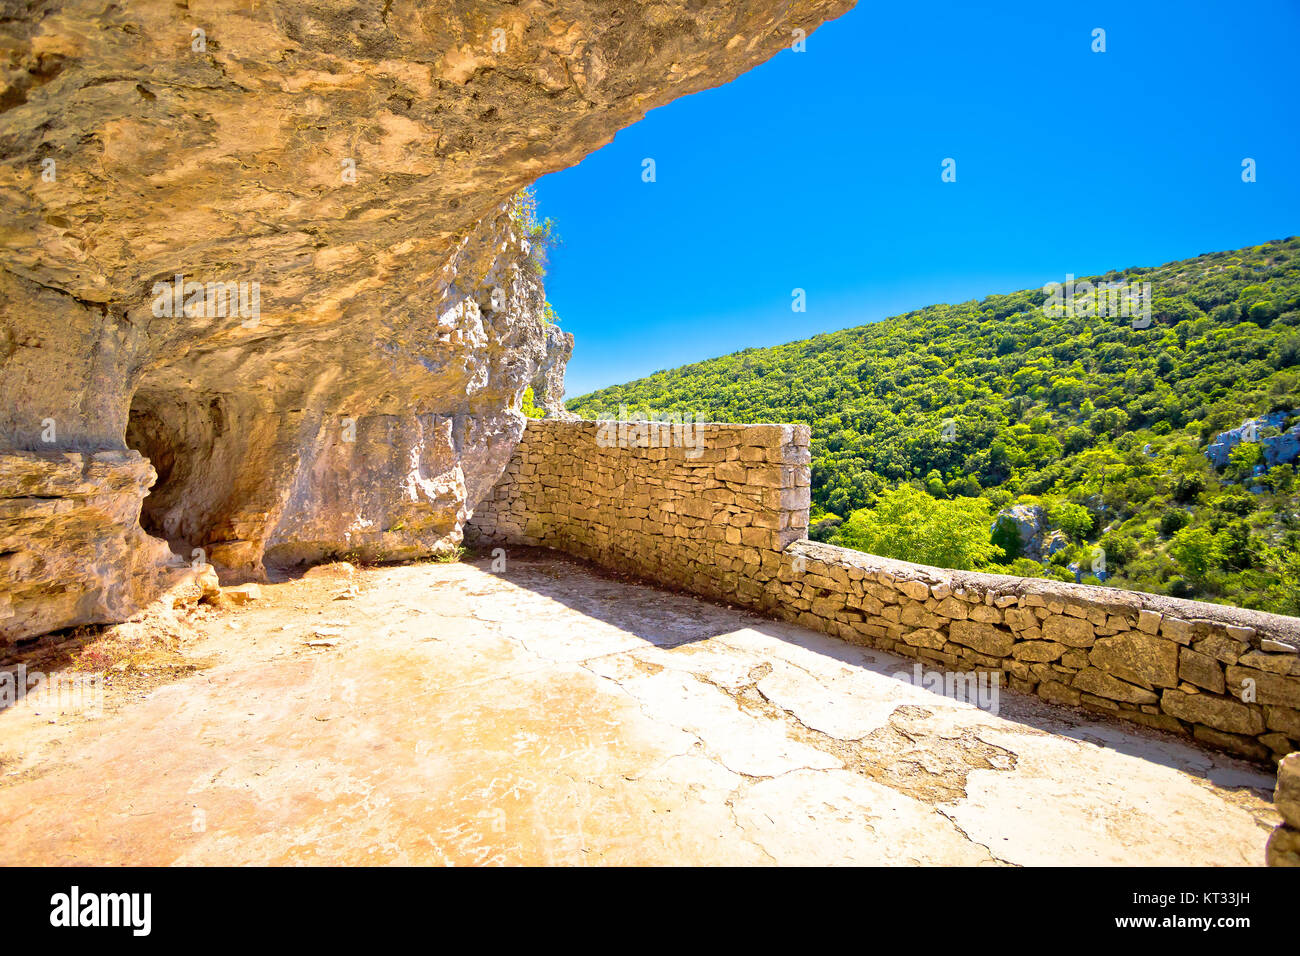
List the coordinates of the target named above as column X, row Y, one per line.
column 242, row 593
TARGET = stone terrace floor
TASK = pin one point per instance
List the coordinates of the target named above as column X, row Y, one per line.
column 552, row 715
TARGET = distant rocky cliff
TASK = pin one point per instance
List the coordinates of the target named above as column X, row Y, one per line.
column 260, row 293
column 1275, row 449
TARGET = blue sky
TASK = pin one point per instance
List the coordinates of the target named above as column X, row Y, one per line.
column 821, row 170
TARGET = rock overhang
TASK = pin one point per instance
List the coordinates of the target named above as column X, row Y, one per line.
column 353, row 163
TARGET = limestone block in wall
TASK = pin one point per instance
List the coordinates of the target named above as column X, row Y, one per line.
column 1176, row 630
column 1221, row 647
column 1098, row 682
column 767, row 436
column 985, row 638
column 1073, row 632
column 1252, row 748
column 1038, row 651
column 1217, row 712
column 1288, row 663
column 1138, row 658
column 1269, row 688
column 1200, row 669
column 732, row 471
column 1285, row 720
column 794, row 455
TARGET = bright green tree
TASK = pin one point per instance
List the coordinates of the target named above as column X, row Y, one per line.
column 1006, row 535
column 1197, row 550
column 1074, row 520
column 910, row 525
column 1244, row 457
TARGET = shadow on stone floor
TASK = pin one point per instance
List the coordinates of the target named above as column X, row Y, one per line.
column 668, row 618
column 660, row 616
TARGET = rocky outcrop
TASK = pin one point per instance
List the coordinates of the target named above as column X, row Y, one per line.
column 268, row 246
column 548, row 382
column 1284, row 844
column 1278, row 449
column 1038, row 540
column 105, row 566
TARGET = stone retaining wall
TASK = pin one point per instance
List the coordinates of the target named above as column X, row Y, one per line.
column 696, row 506
column 725, row 518
column 1229, row 677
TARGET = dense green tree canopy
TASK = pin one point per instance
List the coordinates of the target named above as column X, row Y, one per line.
column 1103, row 424
column 909, row 524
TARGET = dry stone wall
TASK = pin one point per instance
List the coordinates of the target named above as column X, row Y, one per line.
column 1226, row 676
column 723, row 512
column 697, row 506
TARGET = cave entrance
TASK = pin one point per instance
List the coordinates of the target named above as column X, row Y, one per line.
column 176, row 431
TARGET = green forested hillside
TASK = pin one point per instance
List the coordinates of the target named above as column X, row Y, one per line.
column 1100, row 424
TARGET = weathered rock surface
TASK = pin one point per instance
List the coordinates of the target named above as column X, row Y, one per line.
column 1278, row 448
column 90, row 503
column 339, row 170
column 1038, row 540
column 1284, row 845
column 545, row 714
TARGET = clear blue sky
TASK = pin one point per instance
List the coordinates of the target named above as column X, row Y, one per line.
column 821, row 170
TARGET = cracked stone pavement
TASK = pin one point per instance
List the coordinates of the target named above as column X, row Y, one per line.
column 550, row 715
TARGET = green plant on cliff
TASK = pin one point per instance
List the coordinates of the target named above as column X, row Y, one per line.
column 1196, row 551
column 540, row 235
column 528, row 405
column 997, row 400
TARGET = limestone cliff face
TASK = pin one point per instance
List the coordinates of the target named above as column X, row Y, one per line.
column 357, row 315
